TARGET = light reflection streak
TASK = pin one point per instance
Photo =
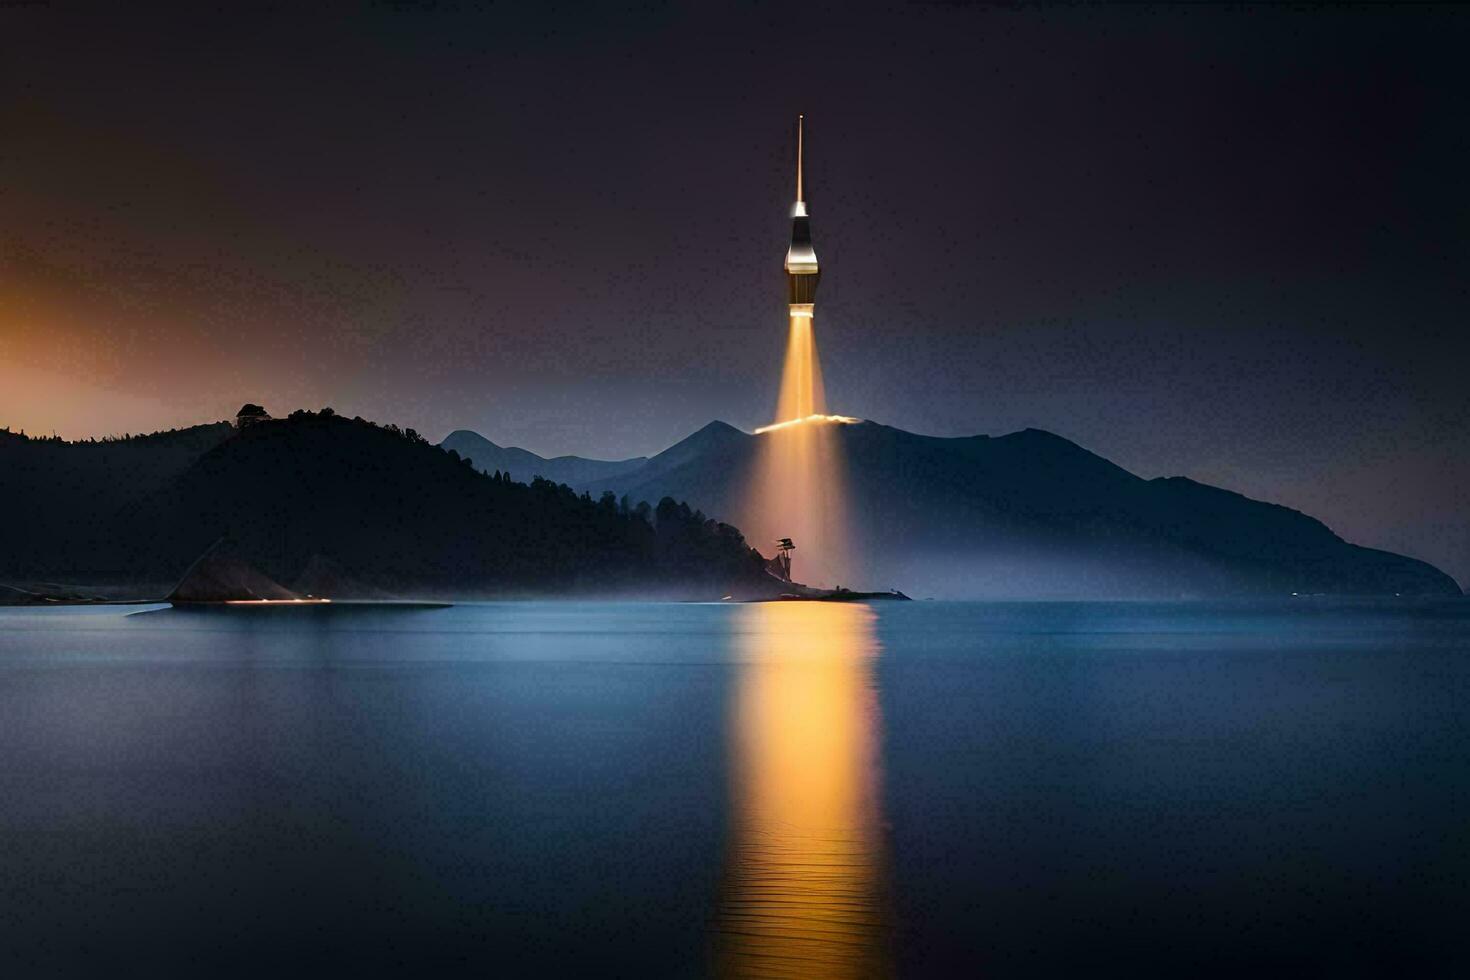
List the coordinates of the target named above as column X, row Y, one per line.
column 804, row 884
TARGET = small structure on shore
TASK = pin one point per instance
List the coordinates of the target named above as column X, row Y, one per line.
column 250, row 414
column 780, row 566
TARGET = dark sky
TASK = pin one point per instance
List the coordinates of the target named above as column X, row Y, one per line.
column 1228, row 243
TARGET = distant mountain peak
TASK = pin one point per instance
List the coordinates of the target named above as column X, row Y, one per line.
column 711, row 438
column 460, row 435
column 717, row 428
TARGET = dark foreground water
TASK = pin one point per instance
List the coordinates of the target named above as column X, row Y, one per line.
column 765, row 790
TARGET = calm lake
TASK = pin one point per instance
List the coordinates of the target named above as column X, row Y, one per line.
column 787, row 789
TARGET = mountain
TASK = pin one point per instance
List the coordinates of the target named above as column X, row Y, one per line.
column 320, row 504
column 1032, row 514
column 523, row 464
column 316, row 497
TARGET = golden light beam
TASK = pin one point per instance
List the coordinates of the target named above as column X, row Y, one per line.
column 798, row 487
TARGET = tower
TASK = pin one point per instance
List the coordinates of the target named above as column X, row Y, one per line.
column 802, row 274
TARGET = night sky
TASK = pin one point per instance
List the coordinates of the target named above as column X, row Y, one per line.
column 1224, row 243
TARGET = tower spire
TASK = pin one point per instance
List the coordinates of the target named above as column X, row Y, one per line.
column 799, row 198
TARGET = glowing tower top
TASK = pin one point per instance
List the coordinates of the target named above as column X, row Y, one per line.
column 802, row 274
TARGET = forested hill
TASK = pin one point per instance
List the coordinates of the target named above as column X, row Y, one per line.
column 380, row 507
column 49, row 479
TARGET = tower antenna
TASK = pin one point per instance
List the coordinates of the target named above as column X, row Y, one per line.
column 799, row 119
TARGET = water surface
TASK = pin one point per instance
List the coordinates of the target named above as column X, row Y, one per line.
column 769, row 790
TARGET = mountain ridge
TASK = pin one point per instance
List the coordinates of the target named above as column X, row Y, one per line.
column 1031, row 513
column 1026, row 514
column 487, row 457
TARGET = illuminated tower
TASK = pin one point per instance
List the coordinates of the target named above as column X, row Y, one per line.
column 797, row 483
column 802, row 274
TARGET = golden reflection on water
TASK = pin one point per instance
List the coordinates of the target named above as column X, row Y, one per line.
column 804, row 886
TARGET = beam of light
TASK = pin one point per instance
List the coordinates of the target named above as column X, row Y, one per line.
column 798, row 487
column 274, row 602
column 803, row 886
column 810, row 419
column 802, row 391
